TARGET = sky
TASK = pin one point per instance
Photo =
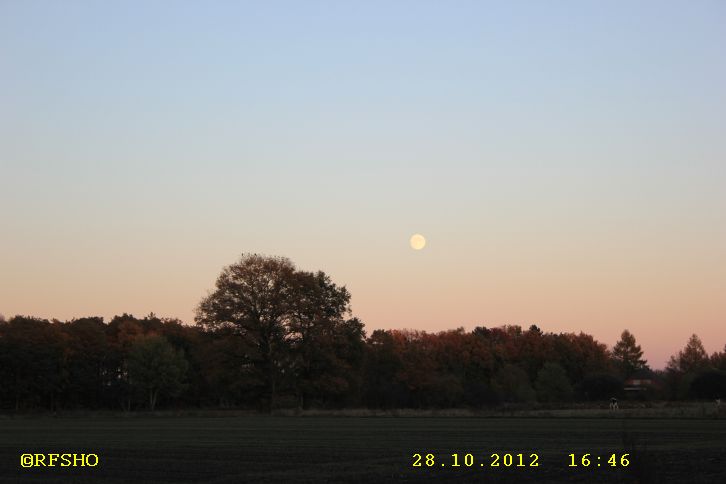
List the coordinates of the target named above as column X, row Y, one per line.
column 566, row 161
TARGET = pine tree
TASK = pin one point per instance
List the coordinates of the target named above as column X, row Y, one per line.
column 691, row 358
column 628, row 355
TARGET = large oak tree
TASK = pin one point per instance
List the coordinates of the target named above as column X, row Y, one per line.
column 293, row 325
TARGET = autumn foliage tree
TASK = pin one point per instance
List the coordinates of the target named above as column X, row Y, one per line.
column 255, row 298
column 293, row 324
column 270, row 335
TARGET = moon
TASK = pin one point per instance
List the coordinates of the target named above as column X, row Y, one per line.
column 417, row 242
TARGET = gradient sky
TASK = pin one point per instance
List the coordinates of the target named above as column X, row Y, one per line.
column 565, row 160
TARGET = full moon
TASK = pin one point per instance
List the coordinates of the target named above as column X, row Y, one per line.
column 418, row 242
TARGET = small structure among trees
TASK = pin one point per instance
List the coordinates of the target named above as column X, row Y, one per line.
column 640, row 381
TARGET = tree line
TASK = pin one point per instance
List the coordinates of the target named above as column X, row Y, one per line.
column 272, row 336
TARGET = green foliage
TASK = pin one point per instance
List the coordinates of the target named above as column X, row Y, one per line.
column 552, row 384
column 156, row 369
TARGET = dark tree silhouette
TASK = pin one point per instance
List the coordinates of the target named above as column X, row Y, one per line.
column 156, row 368
column 272, row 336
column 317, row 335
column 383, row 365
column 31, row 359
column 709, row 384
column 691, row 358
column 255, row 298
column 600, row 386
column 292, row 323
column 552, row 384
column 511, row 384
column 718, row 359
column 628, row 355
column 86, row 357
